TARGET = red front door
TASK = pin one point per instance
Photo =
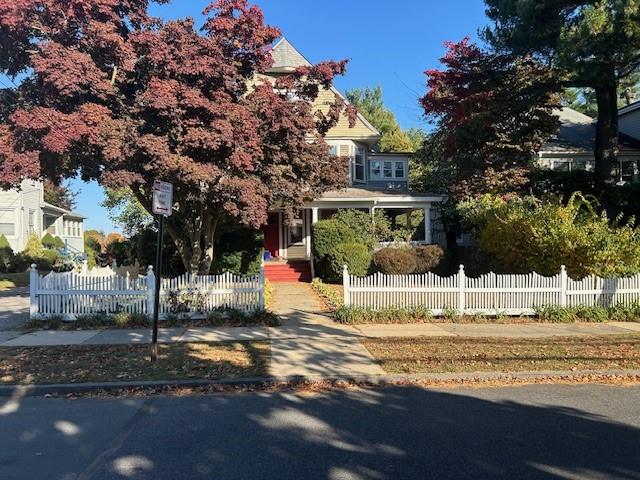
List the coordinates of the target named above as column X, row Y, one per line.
column 272, row 234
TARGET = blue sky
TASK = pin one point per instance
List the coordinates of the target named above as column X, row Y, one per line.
column 389, row 44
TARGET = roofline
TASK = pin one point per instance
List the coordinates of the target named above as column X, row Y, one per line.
column 382, row 199
column 55, row 208
column 75, row 215
column 390, row 154
column 360, row 116
column 629, row 108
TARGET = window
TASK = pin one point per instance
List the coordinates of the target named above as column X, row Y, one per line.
column 358, row 165
column 7, row 222
column 49, row 224
column 388, row 169
column 333, row 150
column 32, row 221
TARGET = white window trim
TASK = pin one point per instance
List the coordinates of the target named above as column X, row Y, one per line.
column 16, row 232
column 364, row 164
column 393, row 169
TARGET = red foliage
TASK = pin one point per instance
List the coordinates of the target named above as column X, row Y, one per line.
column 126, row 99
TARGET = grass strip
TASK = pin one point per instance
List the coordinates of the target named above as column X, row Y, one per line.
column 462, row 354
column 112, row 363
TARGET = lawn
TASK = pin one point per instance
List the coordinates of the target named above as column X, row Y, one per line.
column 11, row 280
column 110, row 363
column 442, row 355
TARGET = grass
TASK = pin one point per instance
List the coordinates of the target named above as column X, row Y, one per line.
column 443, row 355
column 109, row 363
column 12, row 280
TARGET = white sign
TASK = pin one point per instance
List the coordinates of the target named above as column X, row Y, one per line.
column 162, row 198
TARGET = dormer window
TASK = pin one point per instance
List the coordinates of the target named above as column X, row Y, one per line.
column 388, row 169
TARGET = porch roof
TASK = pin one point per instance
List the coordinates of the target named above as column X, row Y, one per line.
column 370, row 194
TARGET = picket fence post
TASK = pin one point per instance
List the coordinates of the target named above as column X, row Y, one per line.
column 345, row 286
column 563, row 286
column 151, row 289
column 33, row 291
column 261, row 300
column 461, row 287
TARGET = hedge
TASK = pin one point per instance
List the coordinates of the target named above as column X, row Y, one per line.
column 355, row 256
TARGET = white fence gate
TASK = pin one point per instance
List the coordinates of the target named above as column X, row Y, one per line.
column 71, row 294
column 509, row 294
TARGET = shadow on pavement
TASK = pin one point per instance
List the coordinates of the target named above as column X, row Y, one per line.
column 395, row 433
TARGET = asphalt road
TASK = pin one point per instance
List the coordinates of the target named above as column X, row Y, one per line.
column 533, row 432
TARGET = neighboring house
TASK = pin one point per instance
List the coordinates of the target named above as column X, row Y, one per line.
column 376, row 180
column 572, row 148
column 24, row 210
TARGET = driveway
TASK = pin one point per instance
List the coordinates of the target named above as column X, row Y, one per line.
column 14, row 307
column 540, row 432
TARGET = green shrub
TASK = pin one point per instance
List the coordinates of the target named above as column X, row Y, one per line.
column 614, row 313
column 7, row 257
column 355, row 256
column 33, row 248
column 395, row 261
column 239, row 250
column 428, row 257
column 356, row 315
column 327, row 235
column 51, row 242
column 526, row 234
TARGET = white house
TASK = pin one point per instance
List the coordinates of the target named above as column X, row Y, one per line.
column 24, row 210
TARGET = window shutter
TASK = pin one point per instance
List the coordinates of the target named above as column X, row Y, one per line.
column 344, row 151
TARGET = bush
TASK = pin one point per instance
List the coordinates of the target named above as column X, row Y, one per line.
column 51, row 242
column 395, row 261
column 239, row 250
column 356, row 256
column 7, row 257
column 525, row 234
column 355, row 315
column 428, row 257
column 327, row 235
column 33, row 248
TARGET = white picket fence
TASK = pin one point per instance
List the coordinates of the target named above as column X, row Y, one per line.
column 71, row 294
column 489, row 294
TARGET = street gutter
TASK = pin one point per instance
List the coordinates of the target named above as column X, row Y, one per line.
column 319, row 381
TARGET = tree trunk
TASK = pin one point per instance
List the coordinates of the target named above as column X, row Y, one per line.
column 196, row 246
column 606, row 147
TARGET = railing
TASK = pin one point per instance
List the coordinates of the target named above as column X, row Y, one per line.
column 71, row 294
column 493, row 294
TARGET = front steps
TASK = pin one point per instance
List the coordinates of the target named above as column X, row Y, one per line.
column 291, row 271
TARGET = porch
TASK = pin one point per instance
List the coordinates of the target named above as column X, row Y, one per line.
column 293, row 242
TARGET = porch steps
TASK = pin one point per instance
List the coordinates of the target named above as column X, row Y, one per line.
column 291, row 271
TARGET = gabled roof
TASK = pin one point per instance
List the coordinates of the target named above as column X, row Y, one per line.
column 286, row 58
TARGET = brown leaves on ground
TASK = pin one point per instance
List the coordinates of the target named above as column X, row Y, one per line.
column 433, row 355
column 113, row 363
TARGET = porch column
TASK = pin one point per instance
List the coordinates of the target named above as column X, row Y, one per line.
column 427, row 223
column 281, row 240
column 307, row 230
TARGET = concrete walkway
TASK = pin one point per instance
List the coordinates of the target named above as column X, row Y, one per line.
column 14, row 308
column 309, row 343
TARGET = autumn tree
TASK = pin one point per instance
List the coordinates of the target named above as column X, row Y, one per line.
column 110, row 93
column 591, row 44
column 371, row 105
column 491, row 112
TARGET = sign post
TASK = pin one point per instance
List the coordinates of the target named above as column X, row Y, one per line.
column 161, row 206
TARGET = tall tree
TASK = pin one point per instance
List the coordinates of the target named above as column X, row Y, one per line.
column 59, row 194
column 491, row 116
column 370, row 103
column 590, row 43
column 118, row 96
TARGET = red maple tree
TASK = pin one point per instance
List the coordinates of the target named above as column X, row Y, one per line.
column 492, row 113
column 107, row 91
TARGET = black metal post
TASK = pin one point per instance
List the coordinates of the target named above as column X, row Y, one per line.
column 156, row 298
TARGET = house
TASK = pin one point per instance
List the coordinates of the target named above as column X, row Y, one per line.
column 375, row 180
column 23, row 210
column 572, row 148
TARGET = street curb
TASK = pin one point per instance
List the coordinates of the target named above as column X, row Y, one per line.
column 434, row 379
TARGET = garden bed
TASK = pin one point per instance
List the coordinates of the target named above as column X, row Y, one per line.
column 459, row 354
column 227, row 318
column 117, row 363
